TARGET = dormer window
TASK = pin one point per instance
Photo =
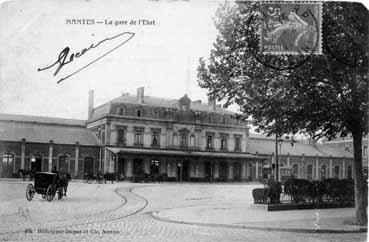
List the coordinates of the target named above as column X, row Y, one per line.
column 210, row 119
column 139, row 112
column 155, row 114
column 120, row 110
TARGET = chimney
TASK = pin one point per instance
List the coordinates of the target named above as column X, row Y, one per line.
column 90, row 103
column 140, row 95
column 212, row 103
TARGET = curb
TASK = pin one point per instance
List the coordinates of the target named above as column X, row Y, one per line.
column 279, row 229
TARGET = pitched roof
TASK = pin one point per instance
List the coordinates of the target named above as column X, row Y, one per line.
column 40, row 119
column 266, row 145
column 42, row 129
column 168, row 103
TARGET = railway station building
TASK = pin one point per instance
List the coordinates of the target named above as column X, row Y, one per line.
column 132, row 135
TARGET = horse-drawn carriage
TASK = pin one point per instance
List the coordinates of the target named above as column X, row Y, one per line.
column 48, row 184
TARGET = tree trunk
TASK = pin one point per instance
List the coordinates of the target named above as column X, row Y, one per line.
column 360, row 183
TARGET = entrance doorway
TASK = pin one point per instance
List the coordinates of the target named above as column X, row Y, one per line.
column 182, row 170
column 63, row 164
column 237, row 171
column 120, row 168
column 223, row 168
column 154, row 168
column 208, row 171
column 36, row 161
column 138, row 167
column 7, row 165
column 88, row 166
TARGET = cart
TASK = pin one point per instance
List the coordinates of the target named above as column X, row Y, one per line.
column 47, row 184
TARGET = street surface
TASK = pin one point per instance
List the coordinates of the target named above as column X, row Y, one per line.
column 124, row 212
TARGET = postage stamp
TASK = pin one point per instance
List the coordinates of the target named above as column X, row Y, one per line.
column 291, row 28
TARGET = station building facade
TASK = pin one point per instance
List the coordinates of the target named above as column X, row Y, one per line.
column 186, row 140
column 302, row 159
column 133, row 135
column 42, row 143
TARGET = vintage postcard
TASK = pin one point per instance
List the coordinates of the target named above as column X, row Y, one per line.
column 182, row 120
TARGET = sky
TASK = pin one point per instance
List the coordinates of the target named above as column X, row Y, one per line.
column 162, row 57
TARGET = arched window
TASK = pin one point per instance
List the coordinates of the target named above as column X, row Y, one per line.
column 323, row 172
column 183, row 139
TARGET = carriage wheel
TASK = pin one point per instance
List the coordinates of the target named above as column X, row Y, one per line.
column 30, row 191
column 50, row 193
column 60, row 193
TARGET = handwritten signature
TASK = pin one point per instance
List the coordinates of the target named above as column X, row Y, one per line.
column 64, row 59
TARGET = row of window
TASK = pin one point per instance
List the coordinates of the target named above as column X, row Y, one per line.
column 157, row 114
column 323, row 171
column 8, row 163
column 185, row 139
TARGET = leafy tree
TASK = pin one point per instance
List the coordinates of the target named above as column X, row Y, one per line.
column 325, row 96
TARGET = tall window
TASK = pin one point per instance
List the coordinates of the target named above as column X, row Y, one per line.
column 309, row 172
column 183, row 139
column 63, row 164
column 237, row 143
column 103, row 134
column 323, row 172
column 210, row 141
column 138, row 137
column 365, row 151
column 121, row 136
column 192, row 140
column 349, row 172
column 223, row 142
column 223, row 120
column 155, row 141
column 295, row 170
column 336, row 172
column 8, row 164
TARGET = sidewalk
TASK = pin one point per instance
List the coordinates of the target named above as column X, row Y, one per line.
column 256, row 217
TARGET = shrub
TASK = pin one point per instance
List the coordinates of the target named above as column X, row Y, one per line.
column 320, row 191
column 300, row 190
column 260, row 195
column 339, row 190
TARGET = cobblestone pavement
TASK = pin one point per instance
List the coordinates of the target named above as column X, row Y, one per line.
column 122, row 212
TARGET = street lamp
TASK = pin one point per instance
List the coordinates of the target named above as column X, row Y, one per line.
column 276, row 157
column 279, row 141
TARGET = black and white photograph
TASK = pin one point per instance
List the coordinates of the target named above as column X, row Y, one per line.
column 184, row 120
